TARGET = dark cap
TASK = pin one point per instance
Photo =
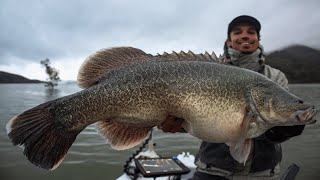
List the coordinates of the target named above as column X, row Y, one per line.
column 244, row 19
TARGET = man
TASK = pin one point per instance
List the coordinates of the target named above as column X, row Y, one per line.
column 242, row 48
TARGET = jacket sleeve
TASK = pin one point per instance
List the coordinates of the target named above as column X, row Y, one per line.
column 279, row 134
column 276, row 76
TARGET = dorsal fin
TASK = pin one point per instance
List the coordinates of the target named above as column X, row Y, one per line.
column 106, row 59
column 190, row 56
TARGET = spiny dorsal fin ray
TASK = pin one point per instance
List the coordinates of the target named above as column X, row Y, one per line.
column 176, row 54
column 214, row 56
column 207, row 55
column 190, row 56
column 102, row 61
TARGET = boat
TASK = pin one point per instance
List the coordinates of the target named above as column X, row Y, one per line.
column 184, row 162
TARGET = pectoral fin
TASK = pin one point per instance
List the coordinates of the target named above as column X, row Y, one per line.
column 122, row 136
column 240, row 150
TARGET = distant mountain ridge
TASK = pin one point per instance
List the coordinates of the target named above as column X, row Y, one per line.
column 14, row 78
column 301, row 64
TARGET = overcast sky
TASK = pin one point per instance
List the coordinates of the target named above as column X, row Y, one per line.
column 67, row 32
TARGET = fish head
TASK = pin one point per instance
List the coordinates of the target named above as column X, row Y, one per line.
column 278, row 107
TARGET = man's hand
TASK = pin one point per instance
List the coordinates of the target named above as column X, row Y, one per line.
column 279, row 134
column 172, row 124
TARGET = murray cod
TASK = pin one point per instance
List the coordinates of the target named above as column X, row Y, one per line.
column 127, row 92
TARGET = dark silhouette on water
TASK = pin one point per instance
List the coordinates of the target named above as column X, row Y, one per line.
column 52, row 72
column 52, row 93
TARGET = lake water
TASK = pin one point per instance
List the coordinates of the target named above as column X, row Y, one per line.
column 91, row 158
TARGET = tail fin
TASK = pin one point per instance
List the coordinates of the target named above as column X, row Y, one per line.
column 44, row 142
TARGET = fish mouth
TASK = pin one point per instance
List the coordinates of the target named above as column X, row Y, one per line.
column 305, row 116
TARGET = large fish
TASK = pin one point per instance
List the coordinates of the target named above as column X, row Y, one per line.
column 128, row 92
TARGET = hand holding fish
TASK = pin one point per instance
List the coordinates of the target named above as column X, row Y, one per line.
column 171, row 124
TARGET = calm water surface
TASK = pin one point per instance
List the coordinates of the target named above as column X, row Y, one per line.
column 91, row 158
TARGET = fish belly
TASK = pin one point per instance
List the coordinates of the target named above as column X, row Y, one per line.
column 227, row 127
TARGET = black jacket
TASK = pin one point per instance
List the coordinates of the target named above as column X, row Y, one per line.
column 266, row 153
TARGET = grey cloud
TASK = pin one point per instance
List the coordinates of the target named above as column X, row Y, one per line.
column 33, row 30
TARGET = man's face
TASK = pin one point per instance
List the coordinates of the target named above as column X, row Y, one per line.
column 244, row 38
